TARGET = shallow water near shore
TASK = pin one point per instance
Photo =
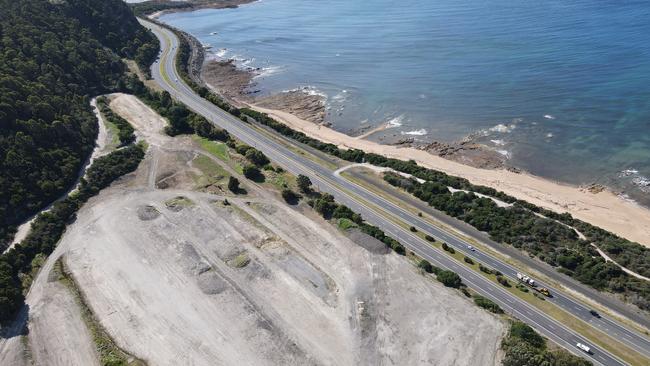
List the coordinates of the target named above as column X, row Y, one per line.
column 562, row 89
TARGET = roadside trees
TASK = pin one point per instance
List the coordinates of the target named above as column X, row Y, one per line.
column 304, row 183
column 449, row 279
column 233, row 184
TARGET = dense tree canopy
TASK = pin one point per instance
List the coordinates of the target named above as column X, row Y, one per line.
column 53, row 56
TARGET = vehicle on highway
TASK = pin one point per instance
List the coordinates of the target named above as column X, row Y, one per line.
column 584, row 347
column 471, row 248
column 531, row 283
column 594, row 313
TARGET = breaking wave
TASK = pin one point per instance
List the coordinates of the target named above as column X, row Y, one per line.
column 420, row 132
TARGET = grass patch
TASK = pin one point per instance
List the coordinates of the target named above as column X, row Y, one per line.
column 345, row 224
column 178, row 203
column 218, row 149
column 113, row 131
column 280, row 180
column 241, row 260
column 109, row 353
column 213, row 173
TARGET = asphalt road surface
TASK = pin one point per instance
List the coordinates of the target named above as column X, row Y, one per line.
column 356, row 197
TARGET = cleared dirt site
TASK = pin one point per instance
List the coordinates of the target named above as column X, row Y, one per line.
column 178, row 277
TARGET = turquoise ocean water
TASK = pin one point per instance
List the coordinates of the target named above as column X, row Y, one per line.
column 561, row 87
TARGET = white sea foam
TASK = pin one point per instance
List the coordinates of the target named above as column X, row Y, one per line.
column 395, row 122
column 642, row 182
column 310, row 90
column 502, row 128
column 268, row 71
column 549, row 135
column 549, row 116
column 628, row 172
column 420, row 132
column 498, row 142
column 505, row 153
column 221, row 53
column 340, row 97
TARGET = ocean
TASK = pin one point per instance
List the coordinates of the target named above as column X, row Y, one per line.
column 562, row 88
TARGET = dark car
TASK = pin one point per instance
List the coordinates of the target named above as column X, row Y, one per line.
column 594, row 313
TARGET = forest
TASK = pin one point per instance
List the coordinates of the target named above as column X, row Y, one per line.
column 54, row 56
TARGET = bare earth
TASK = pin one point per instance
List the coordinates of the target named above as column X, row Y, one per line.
column 178, row 278
column 604, row 209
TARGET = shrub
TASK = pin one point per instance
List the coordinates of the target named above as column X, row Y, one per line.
column 504, row 281
column 448, row 248
column 252, row 172
column 484, row 269
column 449, row 278
column 527, row 334
column 425, row 265
column 289, row 196
column 304, row 183
column 487, row 304
column 429, row 238
column 468, row 260
column 233, row 184
column 256, row 157
column 413, row 229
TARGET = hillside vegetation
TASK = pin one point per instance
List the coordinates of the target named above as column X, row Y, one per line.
column 54, row 56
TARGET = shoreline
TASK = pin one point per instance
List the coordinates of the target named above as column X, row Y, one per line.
column 604, row 209
column 197, row 5
column 600, row 207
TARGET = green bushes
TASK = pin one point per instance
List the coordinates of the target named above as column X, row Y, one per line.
column 524, row 346
column 487, row 304
column 252, row 172
column 233, row 184
column 447, row 248
column 304, row 183
column 503, row 281
column 425, row 266
column 125, row 134
column 449, row 278
column 181, row 119
column 553, row 242
column 484, row 269
column 468, row 260
column 325, row 205
column 429, row 238
column 290, row 196
column 47, row 228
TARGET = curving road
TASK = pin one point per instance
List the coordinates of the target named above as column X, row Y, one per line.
column 164, row 72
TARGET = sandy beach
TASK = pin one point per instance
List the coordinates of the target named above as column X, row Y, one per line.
column 604, row 209
column 600, row 207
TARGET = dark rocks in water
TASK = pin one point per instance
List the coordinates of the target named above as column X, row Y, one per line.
column 303, row 105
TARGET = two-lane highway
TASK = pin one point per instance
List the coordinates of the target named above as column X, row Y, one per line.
column 165, row 74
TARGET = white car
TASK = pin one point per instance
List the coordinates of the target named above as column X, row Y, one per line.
column 584, row 347
column 471, row 248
